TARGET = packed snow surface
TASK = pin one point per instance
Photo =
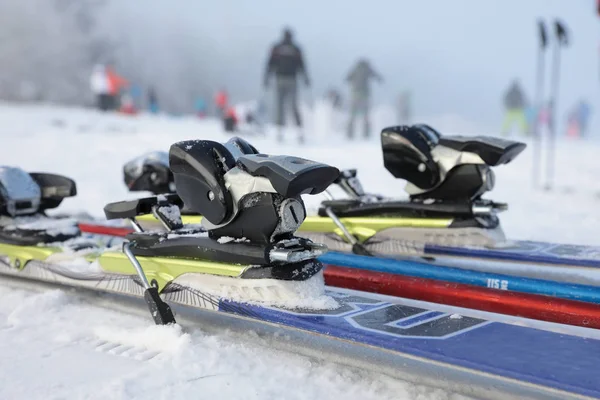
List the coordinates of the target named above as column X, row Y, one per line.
column 56, row 345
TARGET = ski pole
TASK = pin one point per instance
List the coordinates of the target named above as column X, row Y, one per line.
column 562, row 39
column 539, row 99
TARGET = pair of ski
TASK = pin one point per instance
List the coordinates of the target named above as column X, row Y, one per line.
column 456, row 174
column 246, row 262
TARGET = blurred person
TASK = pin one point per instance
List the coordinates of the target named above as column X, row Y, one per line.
column 230, row 120
column 128, row 105
column 221, row 102
column 584, row 112
column 578, row 120
column 334, row 98
column 573, row 125
column 515, row 105
column 136, row 93
column 116, row 83
column 200, row 107
column 101, row 88
column 152, row 101
column 359, row 79
column 286, row 62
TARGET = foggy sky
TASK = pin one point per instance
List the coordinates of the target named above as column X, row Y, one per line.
column 457, row 56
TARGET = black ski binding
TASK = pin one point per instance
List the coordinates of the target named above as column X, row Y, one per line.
column 26, row 197
column 251, row 208
column 444, row 168
column 446, row 176
column 149, row 172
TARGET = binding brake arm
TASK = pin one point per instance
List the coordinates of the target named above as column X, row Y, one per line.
column 161, row 312
column 357, row 247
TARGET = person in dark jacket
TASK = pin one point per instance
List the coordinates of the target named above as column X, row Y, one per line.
column 515, row 105
column 359, row 79
column 286, row 63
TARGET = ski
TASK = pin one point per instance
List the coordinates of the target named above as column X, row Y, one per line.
column 247, row 263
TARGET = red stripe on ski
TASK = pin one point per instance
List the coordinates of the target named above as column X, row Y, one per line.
column 105, row 230
column 544, row 308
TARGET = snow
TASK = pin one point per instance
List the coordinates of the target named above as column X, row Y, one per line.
column 158, row 338
column 51, row 337
column 171, row 213
column 308, row 294
column 186, row 232
column 229, row 239
column 60, row 346
column 53, row 227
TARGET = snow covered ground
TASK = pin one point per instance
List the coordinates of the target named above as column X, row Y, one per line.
column 59, row 346
column 49, row 339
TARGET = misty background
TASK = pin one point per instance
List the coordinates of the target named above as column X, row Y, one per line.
column 456, row 56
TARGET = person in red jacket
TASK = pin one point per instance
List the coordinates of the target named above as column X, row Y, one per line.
column 116, row 84
column 230, row 120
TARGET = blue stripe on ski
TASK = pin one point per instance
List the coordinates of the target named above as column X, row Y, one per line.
column 411, row 321
column 528, row 252
column 545, row 358
column 570, row 291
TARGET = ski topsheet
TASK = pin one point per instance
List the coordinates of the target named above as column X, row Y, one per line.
column 527, row 252
column 532, row 362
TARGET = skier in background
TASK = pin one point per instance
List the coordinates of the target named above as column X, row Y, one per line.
column 116, row 83
column 230, row 120
column 101, row 88
column 515, row 105
column 360, row 95
column 286, row 62
column 152, row 101
column 578, row 120
column 584, row 113
column 200, row 107
column 221, row 102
